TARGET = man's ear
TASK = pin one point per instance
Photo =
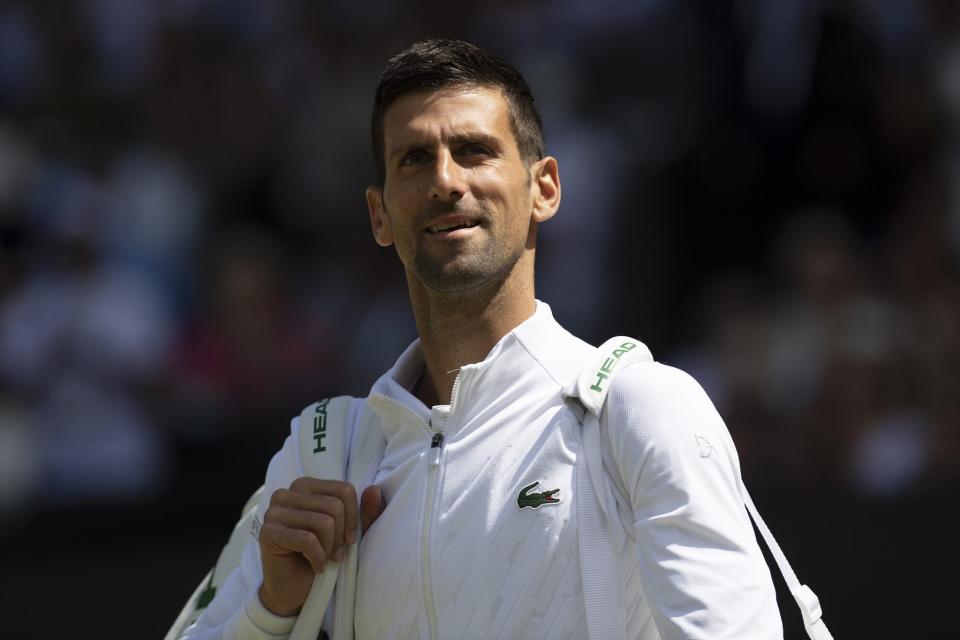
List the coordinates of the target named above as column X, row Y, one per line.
column 545, row 184
column 379, row 223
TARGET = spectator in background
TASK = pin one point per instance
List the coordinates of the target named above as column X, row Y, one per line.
column 82, row 339
column 249, row 351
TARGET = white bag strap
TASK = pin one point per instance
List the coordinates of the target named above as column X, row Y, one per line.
column 599, row 564
column 806, row 599
column 594, row 381
column 324, row 439
column 591, row 389
column 335, row 451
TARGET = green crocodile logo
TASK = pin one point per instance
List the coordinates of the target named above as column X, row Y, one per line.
column 535, row 500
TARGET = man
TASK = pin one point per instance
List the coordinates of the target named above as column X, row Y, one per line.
column 470, row 519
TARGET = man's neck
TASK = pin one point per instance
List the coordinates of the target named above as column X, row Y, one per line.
column 461, row 328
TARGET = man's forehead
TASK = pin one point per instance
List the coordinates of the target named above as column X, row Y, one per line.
column 455, row 109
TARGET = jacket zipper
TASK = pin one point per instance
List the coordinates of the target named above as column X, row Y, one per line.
column 453, row 392
column 436, row 445
column 436, row 448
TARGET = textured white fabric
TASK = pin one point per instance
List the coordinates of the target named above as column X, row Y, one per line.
column 472, row 564
column 495, row 571
column 675, row 462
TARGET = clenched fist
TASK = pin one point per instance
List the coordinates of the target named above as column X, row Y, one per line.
column 305, row 527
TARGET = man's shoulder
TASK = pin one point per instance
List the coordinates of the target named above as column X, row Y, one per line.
column 654, row 387
column 658, row 412
column 654, row 376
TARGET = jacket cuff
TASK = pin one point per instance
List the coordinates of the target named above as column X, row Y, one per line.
column 265, row 620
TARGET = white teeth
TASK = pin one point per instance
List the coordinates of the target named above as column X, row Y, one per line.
column 446, row 227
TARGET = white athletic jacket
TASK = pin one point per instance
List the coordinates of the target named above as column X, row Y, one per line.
column 479, row 536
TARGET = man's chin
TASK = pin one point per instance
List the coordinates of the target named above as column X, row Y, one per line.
column 452, row 283
column 452, row 276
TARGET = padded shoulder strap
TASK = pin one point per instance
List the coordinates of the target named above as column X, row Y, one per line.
column 339, row 440
column 603, row 599
column 323, row 433
column 599, row 570
column 593, row 383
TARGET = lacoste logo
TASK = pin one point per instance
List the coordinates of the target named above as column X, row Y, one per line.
column 535, row 500
column 705, row 447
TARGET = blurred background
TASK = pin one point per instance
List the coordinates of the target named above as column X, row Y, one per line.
column 767, row 192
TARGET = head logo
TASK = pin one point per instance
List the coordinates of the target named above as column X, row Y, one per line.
column 320, row 425
column 536, row 500
column 606, row 369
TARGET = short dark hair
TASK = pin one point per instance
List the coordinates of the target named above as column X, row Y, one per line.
column 438, row 63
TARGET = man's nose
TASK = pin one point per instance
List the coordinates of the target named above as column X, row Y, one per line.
column 448, row 179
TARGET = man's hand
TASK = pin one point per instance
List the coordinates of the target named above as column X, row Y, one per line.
column 305, row 527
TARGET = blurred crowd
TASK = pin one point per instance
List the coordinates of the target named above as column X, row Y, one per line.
column 766, row 191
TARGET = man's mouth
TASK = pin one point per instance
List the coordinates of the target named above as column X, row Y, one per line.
column 451, row 226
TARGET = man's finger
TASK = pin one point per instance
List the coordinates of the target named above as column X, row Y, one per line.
column 278, row 540
column 344, row 491
column 320, row 524
column 336, row 499
column 372, row 505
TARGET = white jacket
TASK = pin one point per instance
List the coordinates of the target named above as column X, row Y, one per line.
column 455, row 555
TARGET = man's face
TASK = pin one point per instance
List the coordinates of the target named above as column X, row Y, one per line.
column 457, row 200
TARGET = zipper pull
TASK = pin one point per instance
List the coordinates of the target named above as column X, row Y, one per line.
column 436, row 443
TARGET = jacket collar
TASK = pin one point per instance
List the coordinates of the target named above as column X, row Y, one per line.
column 556, row 350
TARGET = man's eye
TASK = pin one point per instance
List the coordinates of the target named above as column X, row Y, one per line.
column 413, row 157
column 475, row 149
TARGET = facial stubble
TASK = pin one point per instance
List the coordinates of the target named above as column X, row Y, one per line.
column 466, row 264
